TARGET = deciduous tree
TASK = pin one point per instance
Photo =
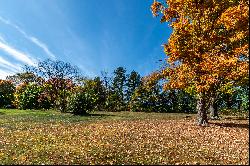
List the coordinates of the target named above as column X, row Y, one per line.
column 24, row 77
column 60, row 78
column 208, row 47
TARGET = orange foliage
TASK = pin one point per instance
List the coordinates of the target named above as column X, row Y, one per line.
column 209, row 44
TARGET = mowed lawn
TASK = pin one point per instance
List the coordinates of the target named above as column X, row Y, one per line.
column 49, row 137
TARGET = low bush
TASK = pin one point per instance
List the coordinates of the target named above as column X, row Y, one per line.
column 31, row 96
column 44, row 101
column 82, row 101
column 7, row 90
column 27, row 96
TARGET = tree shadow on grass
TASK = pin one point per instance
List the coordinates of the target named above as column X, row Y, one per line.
column 101, row 115
column 234, row 125
column 1, row 113
column 237, row 118
column 94, row 115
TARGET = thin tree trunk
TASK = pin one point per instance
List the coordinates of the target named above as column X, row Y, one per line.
column 213, row 108
column 229, row 101
column 201, row 109
column 240, row 105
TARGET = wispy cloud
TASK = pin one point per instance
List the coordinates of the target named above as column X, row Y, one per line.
column 8, row 65
column 43, row 46
column 18, row 55
column 33, row 39
column 4, row 73
column 2, row 39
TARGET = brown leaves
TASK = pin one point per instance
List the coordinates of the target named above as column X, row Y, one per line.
column 155, row 8
column 152, row 140
column 235, row 16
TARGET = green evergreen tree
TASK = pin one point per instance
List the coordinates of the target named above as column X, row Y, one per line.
column 118, row 86
column 133, row 81
column 119, row 81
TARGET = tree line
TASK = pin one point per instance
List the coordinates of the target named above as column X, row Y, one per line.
column 59, row 85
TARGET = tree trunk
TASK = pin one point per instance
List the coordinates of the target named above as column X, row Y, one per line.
column 240, row 105
column 229, row 102
column 201, row 109
column 213, row 108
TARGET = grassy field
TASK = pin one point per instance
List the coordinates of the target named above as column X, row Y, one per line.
column 49, row 137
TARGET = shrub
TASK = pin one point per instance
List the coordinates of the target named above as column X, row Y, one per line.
column 7, row 90
column 18, row 94
column 31, row 96
column 90, row 96
column 82, row 101
column 44, row 100
column 58, row 91
column 95, row 88
column 27, row 96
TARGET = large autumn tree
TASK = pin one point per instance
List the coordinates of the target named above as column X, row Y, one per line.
column 208, row 48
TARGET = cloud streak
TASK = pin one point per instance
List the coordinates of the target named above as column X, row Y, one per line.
column 18, row 55
column 2, row 39
column 3, row 74
column 43, row 46
column 6, row 64
column 34, row 40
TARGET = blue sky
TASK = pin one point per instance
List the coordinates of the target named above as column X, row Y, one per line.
column 95, row 35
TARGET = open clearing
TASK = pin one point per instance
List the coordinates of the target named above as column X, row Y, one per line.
column 49, row 137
